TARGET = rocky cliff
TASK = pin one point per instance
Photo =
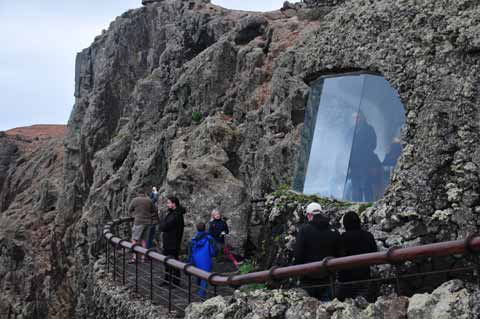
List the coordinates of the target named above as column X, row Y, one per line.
column 208, row 103
column 30, row 183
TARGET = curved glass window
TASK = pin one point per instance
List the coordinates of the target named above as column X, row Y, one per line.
column 351, row 138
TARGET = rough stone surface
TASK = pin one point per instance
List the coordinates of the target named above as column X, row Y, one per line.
column 451, row 300
column 245, row 78
column 112, row 301
column 31, row 179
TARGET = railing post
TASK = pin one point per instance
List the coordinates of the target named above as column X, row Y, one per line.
column 332, row 284
column 474, row 255
column 397, row 280
column 151, row 279
column 395, row 265
column 123, row 273
column 170, row 289
column 189, row 289
column 136, row 272
column 108, row 256
column 114, row 263
column 477, row 262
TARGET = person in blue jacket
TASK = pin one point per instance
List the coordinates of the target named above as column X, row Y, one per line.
column 201, row 250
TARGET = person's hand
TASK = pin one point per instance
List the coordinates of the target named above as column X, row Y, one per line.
column 222, row 233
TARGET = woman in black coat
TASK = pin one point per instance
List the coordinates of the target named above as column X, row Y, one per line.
column 355, row 241
column 218, row 229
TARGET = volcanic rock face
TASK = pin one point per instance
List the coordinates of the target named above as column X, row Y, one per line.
column 208, row 103
column 132, row 125
column 452, row 299
column 31, row 178
column 245, row 77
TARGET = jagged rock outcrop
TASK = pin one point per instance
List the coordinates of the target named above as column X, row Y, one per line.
column 31, row 181
column 245, row 77
column 132, row 124
column 451, row 300
column 208, row 103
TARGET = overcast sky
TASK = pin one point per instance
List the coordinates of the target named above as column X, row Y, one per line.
column 40, row 39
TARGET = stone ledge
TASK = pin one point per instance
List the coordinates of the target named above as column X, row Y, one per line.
column 112, row 301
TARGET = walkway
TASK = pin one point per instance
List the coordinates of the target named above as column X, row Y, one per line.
column 148, row 280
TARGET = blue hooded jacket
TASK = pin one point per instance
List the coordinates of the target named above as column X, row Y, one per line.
column 201, row 250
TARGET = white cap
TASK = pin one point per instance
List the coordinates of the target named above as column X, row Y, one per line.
column 314, row 208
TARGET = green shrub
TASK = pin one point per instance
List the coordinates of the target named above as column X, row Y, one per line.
column 245, row 268
column 196, row 116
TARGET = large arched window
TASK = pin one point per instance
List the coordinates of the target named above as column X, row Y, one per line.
column 351, row 137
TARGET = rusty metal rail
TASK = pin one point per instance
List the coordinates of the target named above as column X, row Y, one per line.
column 392, row 256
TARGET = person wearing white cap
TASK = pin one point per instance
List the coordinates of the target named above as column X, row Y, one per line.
column 315, row 241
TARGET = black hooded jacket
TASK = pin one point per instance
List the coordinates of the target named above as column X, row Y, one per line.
column 172, row 227
column 315, row 241
column 356, row 241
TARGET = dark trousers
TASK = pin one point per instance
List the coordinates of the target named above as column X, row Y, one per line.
column 362, row 188
column 151, row 236
column 321, row 293
column 173, row 253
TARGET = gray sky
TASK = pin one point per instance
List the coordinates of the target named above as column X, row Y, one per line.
column 40, row 39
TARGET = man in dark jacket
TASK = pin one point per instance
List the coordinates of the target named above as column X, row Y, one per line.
column 355, row 241
column 172, row 227
column 314, row 242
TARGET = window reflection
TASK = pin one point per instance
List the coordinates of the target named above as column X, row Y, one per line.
column 350, row 142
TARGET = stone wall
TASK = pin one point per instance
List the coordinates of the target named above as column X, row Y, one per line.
column 451, row 300
column 114, row 301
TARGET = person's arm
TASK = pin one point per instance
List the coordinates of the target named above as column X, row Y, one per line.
column 131, row 207
column 189, row 250
column 225, row 227
column 299, row 252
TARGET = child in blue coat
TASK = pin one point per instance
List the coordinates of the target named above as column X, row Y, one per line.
column 201, row 250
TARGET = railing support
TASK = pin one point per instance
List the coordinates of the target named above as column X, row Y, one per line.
column 332, row 284
column 114, row 263
column 170, row 271
column 151, row 280
column 108, row 256
column 189, row 288
column 136, row 272
column 474, row 254
column 124, row 266
column 398, row 287
column 395, row 265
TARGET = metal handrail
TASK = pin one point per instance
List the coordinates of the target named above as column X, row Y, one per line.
column 392, row 256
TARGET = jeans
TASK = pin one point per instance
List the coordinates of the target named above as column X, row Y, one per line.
column 202, row 290
column 151, row 235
